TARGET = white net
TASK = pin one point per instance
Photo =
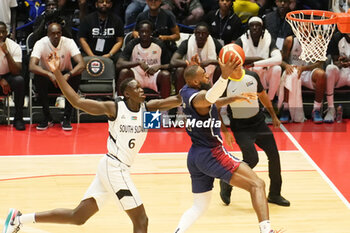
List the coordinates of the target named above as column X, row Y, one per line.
column 313, row 37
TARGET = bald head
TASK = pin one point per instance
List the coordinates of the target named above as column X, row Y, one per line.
column 54, row 32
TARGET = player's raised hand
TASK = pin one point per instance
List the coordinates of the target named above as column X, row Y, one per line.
column 194, row 60
column 53, row 61
column 231, row 67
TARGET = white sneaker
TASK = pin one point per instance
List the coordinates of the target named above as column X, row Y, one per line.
column 330, row 116
column 224, row 116
column 60, row 102
column 26, row 101
column 11, row 103
column 12, row 224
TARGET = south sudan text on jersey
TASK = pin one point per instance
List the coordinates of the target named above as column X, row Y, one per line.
column 131, row 129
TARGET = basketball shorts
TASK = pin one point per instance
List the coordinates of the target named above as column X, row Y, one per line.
column 344, row 77
column 113, row 180
column 149, row 81
column 306, row 79
column 205, row 164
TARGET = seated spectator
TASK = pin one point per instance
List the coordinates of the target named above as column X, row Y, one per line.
column 275, row 22
column 134, row 8
column 45, row 80
column 188, row 12
column 101, row 32
column 146, row 60
column 245, row 9
column 338, row 73
column 224, row 24
column 8, row 15
column 10, row 69
column 297, row 73
column 164, row 23
column 262, row 55
column 51, row 14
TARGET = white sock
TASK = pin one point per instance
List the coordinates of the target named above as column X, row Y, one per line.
column 265, row 226
column 27, row 218
column 200, row 204
column 317, row 105
column 330, row 101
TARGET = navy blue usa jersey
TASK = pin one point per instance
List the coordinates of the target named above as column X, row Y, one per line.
column 203, row 130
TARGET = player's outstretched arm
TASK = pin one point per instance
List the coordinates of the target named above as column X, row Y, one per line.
column 90, row 106
column 164, row 104
column 264, row 99
column 237, row 98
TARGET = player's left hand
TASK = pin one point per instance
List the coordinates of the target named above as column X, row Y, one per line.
column 276, row 122
column 53, row 61
column 229, row 139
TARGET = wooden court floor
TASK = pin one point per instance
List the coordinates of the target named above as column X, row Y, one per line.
column 36, row 183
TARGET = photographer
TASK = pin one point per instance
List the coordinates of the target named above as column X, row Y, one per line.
column 52, row 14
column 187, row 12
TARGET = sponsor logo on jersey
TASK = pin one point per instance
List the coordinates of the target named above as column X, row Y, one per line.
column 249, row 83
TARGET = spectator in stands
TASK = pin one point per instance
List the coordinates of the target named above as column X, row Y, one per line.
column 188, row 12
column 164, row 23
column 146, row 60
column 338, row 73
column 262, row 56
column 10, row 69
column 51, row 14
column 134, row 8
column 45, row 80
column 209, row 5
column 8, row 15
column 297, row 73
column 101, row 32
column 245, row 9
column 224, row 24
column 275, row 22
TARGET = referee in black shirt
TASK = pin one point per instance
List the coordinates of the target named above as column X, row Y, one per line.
column 247, row 123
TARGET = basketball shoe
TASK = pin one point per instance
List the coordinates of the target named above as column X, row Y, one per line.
column 12, row 224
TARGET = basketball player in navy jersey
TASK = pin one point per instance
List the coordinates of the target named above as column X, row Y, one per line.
column 207, row 158
column 126, row 136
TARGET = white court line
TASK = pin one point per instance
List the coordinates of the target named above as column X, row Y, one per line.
column 91, row 155
column 308, row 158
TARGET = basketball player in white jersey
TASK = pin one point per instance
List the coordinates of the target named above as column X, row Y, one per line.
column 126, row 136
column 311, row 75
column 338, row 73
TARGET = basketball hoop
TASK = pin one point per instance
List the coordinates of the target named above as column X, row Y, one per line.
column 314, row 30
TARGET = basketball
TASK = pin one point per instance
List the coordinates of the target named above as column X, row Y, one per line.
column 233, row 49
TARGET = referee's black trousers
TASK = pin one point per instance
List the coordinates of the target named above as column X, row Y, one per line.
column 260, row 134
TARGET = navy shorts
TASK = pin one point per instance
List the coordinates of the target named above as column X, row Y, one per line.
column 205, row 164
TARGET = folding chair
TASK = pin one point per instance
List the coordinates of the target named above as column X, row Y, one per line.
column 97, row 80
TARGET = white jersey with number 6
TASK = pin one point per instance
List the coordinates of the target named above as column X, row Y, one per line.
column 127, row 134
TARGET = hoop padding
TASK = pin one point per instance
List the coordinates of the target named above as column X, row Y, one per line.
column 314, row 30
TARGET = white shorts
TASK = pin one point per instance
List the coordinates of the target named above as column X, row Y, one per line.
column 113, row 180
column 149, row 81
column 344, row 77
column 306, row 79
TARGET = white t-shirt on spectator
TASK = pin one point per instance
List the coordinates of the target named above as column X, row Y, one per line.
column 66, row 49
column 5, row 11
column 16, row 53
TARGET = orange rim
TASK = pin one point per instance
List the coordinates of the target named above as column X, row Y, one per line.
column 330, row 17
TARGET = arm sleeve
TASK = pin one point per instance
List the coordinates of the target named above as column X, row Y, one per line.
column 182, row 50
column 275, row 59
column 37, row 50
column 73, row 48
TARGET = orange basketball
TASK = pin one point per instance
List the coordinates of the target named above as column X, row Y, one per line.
column 233, row 49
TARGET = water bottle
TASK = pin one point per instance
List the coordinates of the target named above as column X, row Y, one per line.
column 339, row 115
